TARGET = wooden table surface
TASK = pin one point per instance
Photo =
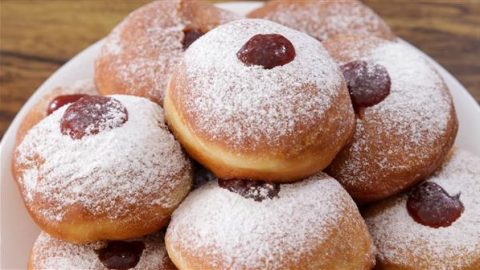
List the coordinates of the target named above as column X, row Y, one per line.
column 37, row 37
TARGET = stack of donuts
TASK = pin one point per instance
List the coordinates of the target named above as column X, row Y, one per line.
column 306, row 136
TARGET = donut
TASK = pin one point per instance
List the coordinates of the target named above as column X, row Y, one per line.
column 146, row 253
column 310, row 224
column 102, row 168
column 54, row 99
column 139, row 55
column 436, row 225
column 255, row 100
column 406, row 122
column 324, row 19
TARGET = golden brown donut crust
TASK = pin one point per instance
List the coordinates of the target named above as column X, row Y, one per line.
column 81, row 213
column 326, row 18
column 80, row 226
column 39, row 110
column 48, row 252
column 404, row 244
column 309, row 148
column 342, row 251
column 141, row 52
column 334, row 254
column 386, row 156
column 284, row 164
column 341, row 241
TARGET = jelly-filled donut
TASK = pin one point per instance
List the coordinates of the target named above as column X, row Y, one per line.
column 324, row 19
column 102, row 168
column 54, row 99
column 436, row 225
column 256, row 100
column 406, row 121
column 146, row 253
column 141, row 52
column 310, row 224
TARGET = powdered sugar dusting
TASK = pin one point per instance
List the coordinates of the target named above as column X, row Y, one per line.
column 416, row 95
column 79, row 86
column 260, row 191
column 51, row 253
column 128, row 164
column 324, row 19
column 234, row 232
column 236, row 103
column 144, row 52
column 110, row 120
column 417, row 110
column 143, row 49
column 403, row 241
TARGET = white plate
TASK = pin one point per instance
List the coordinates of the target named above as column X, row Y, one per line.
column 18, row 230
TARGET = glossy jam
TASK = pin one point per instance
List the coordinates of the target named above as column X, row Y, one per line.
column 269, row 51
column 121, row 255
column 256, row 190
column 430, row 205
column 368, row 84
column 189, row 36
column 92, row 114
column 61, row 101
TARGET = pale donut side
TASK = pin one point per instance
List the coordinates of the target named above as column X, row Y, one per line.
column 243, row 121
column 312, row 224
column 405, row 244
column 103, row 186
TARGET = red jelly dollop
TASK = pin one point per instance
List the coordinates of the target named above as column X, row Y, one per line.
column 269, row 51
column 91, row 114
column 61, row 101
column 121, row 255
column 189, row 36
column 367, row 83
column 430, row 205
column 256, row 190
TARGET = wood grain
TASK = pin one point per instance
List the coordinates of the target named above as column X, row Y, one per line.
column 37, row 37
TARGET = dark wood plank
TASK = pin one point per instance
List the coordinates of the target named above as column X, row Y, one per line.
column 37, row 37
column 448, row 31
